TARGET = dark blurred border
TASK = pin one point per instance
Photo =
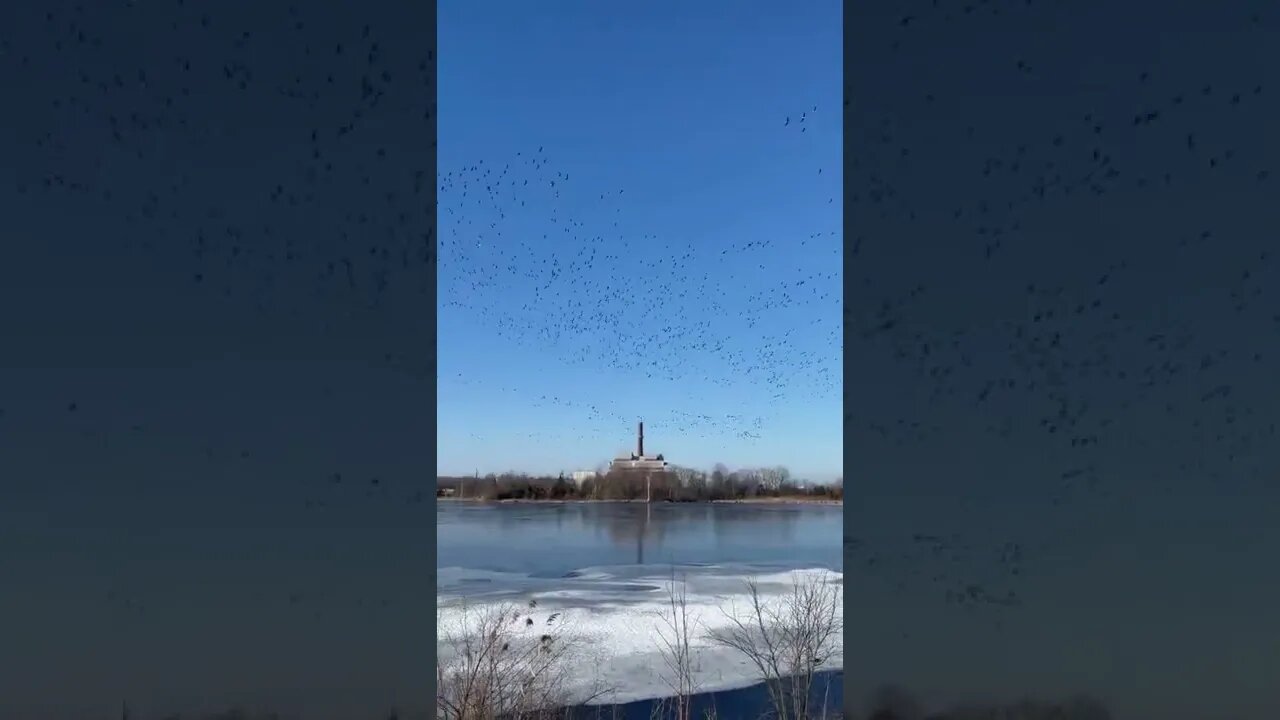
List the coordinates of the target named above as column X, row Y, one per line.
column 429, row 680
column 849, row 230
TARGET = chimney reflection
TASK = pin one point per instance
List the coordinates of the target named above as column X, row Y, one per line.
column 647, row 526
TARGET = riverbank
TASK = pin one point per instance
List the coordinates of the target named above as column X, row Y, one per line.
column 784, row 501
column 790, row 500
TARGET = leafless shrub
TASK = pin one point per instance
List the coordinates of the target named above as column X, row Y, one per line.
column 497, row 671
column 676, row 648
column 787, row 640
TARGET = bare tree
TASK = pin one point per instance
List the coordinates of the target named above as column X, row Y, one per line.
column 676, row 647
column 787, row 640
column 698, row 484
column 774, row 478
column 684, row 475
column 719, row 474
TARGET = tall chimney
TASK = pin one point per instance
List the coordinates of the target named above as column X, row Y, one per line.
column 640, row 438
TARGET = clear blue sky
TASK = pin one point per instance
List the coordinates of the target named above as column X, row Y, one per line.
column 683, row 269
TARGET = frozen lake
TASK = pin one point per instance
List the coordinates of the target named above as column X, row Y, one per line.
column 601, row 571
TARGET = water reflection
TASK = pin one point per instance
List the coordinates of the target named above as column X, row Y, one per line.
column 645, row 527
column 560, row 537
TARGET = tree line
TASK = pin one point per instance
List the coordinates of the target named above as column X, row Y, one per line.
column 675, row 484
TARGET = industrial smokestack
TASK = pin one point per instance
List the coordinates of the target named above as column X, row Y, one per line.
column 640, row 440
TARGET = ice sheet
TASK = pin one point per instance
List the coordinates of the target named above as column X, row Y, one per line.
column 613, row 620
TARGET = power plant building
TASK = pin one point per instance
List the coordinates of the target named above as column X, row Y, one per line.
column 638, row 460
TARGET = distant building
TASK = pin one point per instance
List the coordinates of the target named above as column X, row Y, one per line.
column 638, row 460
column 581, row 476
column 643, row 464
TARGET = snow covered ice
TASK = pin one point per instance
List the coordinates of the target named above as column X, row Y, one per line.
column 614, row 619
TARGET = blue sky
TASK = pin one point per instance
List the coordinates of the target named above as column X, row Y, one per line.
column 685, row 267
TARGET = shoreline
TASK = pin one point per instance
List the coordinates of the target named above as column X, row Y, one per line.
column 790, row 500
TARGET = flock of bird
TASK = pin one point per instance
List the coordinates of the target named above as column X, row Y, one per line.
column 545, row 260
